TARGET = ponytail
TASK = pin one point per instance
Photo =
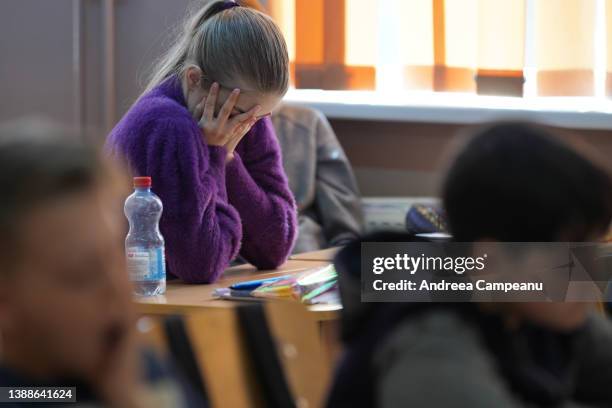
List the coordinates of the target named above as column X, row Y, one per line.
column 174, row 59
column 225, row 41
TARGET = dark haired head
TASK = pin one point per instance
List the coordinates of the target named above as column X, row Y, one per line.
column 35, row 169
column 516, row 182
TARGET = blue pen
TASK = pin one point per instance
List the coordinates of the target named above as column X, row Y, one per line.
column 254, row 284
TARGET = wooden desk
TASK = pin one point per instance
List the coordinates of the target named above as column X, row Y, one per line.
column 181, row 298
column 181, row 294
column 322, row 255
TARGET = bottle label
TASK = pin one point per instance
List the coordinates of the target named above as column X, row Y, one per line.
column 144, row 265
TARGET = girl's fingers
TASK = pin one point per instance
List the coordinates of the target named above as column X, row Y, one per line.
column 239, row 133
column 227, row 108
column 242, row 129
column 254, row 111
column 238, row 120
column 247, row 117
column 197, row 112
column 240, row 125
column 211, row 102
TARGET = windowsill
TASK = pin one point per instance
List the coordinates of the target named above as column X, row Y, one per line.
column 569, row 112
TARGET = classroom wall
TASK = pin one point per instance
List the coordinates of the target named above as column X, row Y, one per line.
column 408, row 159
column 68, row 61
column 47, row 58
column 395, row 159
column 143, row 29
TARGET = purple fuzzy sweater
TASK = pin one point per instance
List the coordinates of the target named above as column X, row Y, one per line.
column 213, row 211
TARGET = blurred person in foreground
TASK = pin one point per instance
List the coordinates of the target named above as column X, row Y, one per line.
column 512, row 182
column 66, row 313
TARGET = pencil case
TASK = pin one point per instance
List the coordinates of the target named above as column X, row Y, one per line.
column 304, row 287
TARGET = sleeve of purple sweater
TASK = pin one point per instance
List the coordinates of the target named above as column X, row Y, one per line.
column 202, row 231
column 257, row 187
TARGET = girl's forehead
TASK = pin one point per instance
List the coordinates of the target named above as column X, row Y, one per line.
column 248, row 99
column 244, row 90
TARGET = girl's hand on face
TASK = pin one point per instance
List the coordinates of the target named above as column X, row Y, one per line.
column 242, row 124
column 215, row 130
column 223, row 130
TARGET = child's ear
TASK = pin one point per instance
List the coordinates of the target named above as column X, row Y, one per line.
column 194, row 76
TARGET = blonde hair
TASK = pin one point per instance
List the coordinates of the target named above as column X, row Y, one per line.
column 227, row 43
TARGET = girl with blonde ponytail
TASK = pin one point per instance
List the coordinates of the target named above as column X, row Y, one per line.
column 202, row 131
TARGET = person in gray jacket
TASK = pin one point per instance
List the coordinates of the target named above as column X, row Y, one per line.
column 511, row 183
column 320, row 177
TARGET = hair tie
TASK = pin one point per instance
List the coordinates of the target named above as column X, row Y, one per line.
column 228, row 5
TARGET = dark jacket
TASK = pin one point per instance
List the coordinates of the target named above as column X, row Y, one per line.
column 455, row 355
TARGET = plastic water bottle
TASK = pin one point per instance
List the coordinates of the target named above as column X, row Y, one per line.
column 144, row 244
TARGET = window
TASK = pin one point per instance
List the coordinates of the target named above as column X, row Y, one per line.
column 492, row 47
